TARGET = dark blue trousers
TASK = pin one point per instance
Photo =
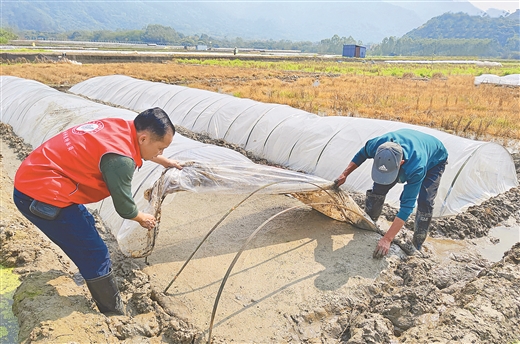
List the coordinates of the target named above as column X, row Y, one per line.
column 428, row 192
column 74, row 231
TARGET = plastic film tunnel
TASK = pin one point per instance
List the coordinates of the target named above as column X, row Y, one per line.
column 37, row 112
column 507, row 80
column 302, row 141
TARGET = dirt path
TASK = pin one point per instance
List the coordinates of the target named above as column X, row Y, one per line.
column 305, row 279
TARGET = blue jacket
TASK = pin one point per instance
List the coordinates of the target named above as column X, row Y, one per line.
column 421, row 152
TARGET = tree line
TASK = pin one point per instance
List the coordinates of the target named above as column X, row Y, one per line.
column 164, row 35
column 7, row 35
column 483, row 47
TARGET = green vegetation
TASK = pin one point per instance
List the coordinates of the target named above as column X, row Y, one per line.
column 25, row 50
column 6, row 35
column 464, row 26
column 458, row 34
column 432, row 47
column 8, row 323
column 363, row 68
column 157, row 34
column 163, row 35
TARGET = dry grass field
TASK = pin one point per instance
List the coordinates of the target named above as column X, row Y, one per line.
column 445, row 100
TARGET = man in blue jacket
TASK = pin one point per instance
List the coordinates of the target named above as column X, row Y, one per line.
column 402, row 156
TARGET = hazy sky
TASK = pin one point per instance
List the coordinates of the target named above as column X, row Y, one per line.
column 508, row 5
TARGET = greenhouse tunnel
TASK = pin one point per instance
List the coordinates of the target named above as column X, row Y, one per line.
column 38, row 112
column 506, row 80
column 302, row 141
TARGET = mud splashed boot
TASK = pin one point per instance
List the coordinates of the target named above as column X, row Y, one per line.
column 374, row 205
column 105, row 293
column 420, row 232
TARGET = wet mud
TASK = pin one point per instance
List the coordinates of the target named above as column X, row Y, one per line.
column 453, row 297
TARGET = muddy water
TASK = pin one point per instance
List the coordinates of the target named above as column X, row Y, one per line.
column 492, row 247
column 493, row 250
column 443, row 248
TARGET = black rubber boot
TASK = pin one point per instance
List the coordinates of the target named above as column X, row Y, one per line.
column 420, row 232
column 374, row 205
column 105, row 293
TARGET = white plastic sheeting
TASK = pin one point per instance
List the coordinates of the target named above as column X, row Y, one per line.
column 302, row 141
column 37, row 112
column 509, row 80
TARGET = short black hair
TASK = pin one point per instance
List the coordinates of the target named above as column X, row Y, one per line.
column 156, row 121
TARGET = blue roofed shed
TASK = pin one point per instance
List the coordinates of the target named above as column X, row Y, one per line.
column 353, row 50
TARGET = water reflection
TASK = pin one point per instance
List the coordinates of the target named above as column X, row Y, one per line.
column 507, row 236
column 499, row 240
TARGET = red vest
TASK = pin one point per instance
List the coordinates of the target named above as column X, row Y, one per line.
column 65, row 169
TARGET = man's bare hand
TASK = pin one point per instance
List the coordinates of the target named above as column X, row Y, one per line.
column 342, row 177
column 145, row 220
column 173, row 163
column 167, row 163
column 340, row 180
column 382, row 248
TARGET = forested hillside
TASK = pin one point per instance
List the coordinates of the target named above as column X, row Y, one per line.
column 461, row 25
column 458, row 34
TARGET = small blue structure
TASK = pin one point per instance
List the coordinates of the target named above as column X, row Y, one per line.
column 353, row 50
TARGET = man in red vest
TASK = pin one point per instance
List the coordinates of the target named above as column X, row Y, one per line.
column 86, row 164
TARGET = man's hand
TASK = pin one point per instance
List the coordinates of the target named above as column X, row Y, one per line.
column 340, row 180
column 167, row 163
column 145, row 220
column 382, row 248
column 173, row 163
column 342, row 177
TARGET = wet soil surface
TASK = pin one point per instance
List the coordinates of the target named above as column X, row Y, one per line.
column 458, row 297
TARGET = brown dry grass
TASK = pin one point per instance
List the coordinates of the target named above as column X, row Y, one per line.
column 450, row 103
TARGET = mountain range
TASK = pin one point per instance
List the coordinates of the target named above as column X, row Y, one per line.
column 297, row 20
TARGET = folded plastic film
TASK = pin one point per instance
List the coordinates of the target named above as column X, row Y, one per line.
column 338, row 205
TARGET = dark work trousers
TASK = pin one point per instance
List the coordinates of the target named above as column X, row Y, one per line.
column 428, row 192
column 74, row 231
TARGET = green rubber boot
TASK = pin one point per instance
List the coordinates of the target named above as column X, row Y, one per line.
column 105, row 293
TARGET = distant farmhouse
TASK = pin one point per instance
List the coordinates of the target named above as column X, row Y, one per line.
column 353, row 50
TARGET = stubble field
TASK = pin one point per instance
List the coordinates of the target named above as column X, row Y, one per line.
column 442, row 97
